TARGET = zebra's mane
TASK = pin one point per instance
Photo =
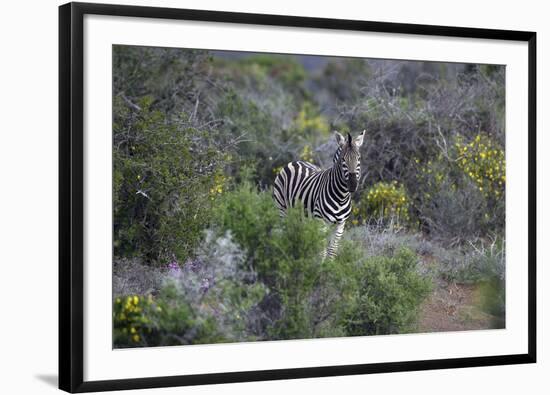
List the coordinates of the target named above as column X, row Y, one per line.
column 337, row 154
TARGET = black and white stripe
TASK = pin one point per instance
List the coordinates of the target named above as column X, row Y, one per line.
column 325, row 194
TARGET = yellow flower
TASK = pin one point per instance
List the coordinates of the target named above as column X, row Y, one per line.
column 135, row 338
column 135, row 299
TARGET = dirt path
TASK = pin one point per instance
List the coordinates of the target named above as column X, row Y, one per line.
column 453, row 307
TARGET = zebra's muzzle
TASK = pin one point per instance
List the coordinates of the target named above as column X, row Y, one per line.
column 352, row 182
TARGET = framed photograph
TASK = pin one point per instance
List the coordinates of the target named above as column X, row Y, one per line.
column 250, row 197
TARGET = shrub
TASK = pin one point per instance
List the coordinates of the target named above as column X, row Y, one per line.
column 286, row 254
column 309, row 124
column 483, row 161
column 492, row 294
column 413, row 114
column 218, row 283
column 388, row 292
column 206, row 300
column 165, row 176
column 452, row 214
column 292, row 270
column 250, row 216
column 132, row 320
column 467, row 178
column 309, row 297
column 133, row 277
column 282, row 69
column 386, row 201
column 165, row 320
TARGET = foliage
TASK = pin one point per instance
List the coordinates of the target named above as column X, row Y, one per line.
column 388, row 294
column 284, row 252
column 200, row 252
column 164, row 175
column 167, row 158
column 208, row 300
column 467, row 177
column 309, row 124
column 293, row 271
column 306, row 295
column 341, row 80
column 492, row 294
column 283, row 69
column 163, row 321
column 133, row 276
column 384, row 200
column 414, row 113
column 483, row 161
column 131, row 319
column 250, row 217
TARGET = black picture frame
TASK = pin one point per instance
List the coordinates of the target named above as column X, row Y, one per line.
column 71, row 172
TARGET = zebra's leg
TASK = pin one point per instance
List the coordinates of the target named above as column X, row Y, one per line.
column 280, row 202
column 335, row 241
column 324, row 252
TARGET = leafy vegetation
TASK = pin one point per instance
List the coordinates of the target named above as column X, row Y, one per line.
column 200, row 252
column 389, row 292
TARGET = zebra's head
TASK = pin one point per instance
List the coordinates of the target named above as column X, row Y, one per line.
column 349, row 158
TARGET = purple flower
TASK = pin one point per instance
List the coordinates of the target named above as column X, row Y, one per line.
column 205, row 285
column 194, row 265
column 174, row 268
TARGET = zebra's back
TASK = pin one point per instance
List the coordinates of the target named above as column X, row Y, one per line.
column 296, row 181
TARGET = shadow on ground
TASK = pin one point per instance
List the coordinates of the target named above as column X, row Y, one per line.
column 50, row 379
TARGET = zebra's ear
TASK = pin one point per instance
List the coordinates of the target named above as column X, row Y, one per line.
column 359, row 139
column 341, row 140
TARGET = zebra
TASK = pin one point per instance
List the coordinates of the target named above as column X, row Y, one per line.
column 325, row 194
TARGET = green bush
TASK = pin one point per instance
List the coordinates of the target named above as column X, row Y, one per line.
column 164, row 179
column 492, row 294
column 283, row 69
column 250, row 216
column 468, row 178
column 293, row 270
column 197, row 139
column 285, row 253
column 309, row 297
column 132, row 320
column 163, row 321
column 384, row 201
column 208, row 299
column 387, row 291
